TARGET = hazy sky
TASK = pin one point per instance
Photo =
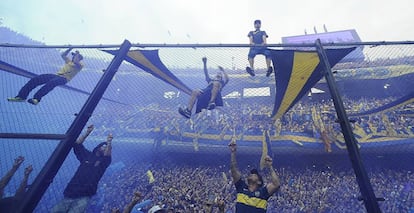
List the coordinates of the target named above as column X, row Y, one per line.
column 202, row 21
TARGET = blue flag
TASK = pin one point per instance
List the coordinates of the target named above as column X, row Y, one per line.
column 149, row 61
column 296, row 72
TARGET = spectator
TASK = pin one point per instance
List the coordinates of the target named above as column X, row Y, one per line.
column 258, row 45
column 50, row 81
column 253, row 196
column 6, row 178
column 8, row 203
column 211, row 94
column 84, row 183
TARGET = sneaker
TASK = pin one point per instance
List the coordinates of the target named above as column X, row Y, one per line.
column 16, row 99
column 184, row 112
column 211, row 106
column 269, row 71
column 33, row 101
column 250, row 71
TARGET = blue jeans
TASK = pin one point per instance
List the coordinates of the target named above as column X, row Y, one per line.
column 71, row 205
column 50, row 81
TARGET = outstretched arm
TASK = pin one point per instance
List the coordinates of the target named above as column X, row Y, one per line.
column 235, row 172
column 65, row 55
column 274, row 185
column 108, row 150
column 208, row 79
column 22, row 188
column 82, row 138
column 80, row 151
column 6, row 179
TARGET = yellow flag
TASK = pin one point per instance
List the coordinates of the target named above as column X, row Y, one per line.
column 150, row 176
column 266, row 149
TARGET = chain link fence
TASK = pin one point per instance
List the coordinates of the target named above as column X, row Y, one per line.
column 184, row 163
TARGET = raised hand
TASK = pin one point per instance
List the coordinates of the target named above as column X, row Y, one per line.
column 82, row 138
column 268, row 161
column 204, row 59
column 90, row 128
column 18, row 161
column 28, row 170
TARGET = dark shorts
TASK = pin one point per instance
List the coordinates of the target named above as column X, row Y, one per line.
column 204, row 99
column 259, row 51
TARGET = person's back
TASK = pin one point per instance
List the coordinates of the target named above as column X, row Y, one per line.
column 91, row 166
column 84, row 182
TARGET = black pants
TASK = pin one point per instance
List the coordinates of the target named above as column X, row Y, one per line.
column 50, row 81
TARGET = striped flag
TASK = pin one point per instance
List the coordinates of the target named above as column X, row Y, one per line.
column 266, row 148
column 296, row 72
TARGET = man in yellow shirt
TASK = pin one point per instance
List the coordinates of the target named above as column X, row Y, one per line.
column 50, row 81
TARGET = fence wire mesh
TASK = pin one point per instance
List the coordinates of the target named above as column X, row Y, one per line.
column 189, row 158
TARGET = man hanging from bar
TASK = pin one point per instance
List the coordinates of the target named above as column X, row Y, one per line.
column 209, row 97
column 50, row 81
column 84, row 183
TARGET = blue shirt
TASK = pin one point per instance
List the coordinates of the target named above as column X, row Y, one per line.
column 257, row 36
column 250, row 202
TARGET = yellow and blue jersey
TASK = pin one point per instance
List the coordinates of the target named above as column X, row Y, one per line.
column 250, row 202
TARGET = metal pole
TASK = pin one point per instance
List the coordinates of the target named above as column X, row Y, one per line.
column 49, row 171
column 362, row 178
column 33, row 136
column 196, row 45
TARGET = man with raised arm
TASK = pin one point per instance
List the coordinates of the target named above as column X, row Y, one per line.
column 50, row 81
column 84, row 183
column 252, row 196
column 7, row 204
column 8, row 176
column 209, row 97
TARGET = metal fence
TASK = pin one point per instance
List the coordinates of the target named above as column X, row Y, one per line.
column 189, row 158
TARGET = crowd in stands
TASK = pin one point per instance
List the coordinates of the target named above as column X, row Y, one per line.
column 188, row 188
column 198, row 185
column 306, row 118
